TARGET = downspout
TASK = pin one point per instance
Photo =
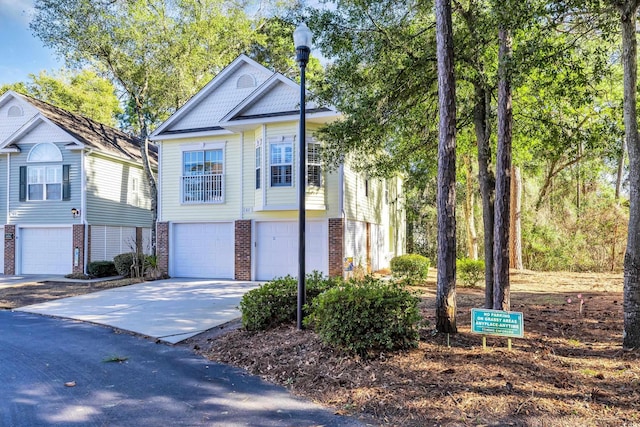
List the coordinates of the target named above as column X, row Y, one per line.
column 83, row 208
column 241, row 175
column 159, row 185
column 341, row 209
column 8, row 186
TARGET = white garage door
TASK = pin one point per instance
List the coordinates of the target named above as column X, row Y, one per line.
column 202, row 250
column 277, row 249
column 46, row 250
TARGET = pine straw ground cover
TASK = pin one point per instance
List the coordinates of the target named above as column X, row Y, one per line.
column 568, row 370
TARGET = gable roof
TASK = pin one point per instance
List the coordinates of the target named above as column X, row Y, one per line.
column 84, row 131
column 276, row 98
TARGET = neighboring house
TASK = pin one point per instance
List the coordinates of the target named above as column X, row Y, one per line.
column 71, row 190
column 228, row 178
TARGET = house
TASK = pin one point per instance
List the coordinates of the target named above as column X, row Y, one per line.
column 228, row 203
column 72, row 190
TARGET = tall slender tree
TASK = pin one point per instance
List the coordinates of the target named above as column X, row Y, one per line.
column 446, row 198
column 628, row 17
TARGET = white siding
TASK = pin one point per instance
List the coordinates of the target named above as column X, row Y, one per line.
column 281, row 97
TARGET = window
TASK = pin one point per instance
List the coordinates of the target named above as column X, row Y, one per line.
column 258, row 165
column 281, row 157
column 44, row 182
column 202, row 176
column 314, row 171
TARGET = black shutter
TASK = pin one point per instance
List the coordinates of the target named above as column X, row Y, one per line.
column 66, row 183
column 23, row 183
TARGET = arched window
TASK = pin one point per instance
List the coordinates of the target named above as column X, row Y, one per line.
column 245, row 81
column 44, row 152
column 15, row 111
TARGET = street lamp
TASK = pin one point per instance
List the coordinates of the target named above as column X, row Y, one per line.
column 302, row 41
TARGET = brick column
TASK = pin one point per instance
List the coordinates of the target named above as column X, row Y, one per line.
column 10, row 250
column 88, row 248
column 78, row 242
column 243, row 249
column 336, row 244
column 139, row 248
column 162, row 247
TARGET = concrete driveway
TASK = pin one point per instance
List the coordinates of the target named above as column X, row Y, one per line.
column 171, row 310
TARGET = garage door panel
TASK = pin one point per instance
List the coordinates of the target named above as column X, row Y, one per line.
column 203, row 250
column 46, row 250
column 277, row 248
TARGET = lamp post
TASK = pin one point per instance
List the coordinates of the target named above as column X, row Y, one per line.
column 302, row 40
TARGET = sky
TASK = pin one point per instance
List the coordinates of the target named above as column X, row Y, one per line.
column 21, row 52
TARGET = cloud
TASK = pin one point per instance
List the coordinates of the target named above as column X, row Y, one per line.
column 16, row 10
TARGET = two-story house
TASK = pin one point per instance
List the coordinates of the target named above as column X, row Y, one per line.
column 71, row 190
column 228, row 178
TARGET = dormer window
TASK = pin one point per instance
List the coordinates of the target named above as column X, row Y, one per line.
column 15, row 111
column 246, row 81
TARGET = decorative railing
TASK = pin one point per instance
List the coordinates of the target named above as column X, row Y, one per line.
column 203, row 188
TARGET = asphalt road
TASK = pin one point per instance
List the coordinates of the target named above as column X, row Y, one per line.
column 60, row 372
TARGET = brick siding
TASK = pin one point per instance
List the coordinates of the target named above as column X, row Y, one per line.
column 162, row 246
column 78, row 242
column 243, row 249
column 336, row 244
column 10, row 250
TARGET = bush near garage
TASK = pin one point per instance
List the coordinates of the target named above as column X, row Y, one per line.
column 102, row 269
column 276, row 302
column 367, row 316
column 125, row 262
column 412, row 269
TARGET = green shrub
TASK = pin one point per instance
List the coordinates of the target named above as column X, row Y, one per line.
column 125, row 262
column 364, row 316
column 102, row 269
column 412, row 269
column 470, row 271
column 276, row 302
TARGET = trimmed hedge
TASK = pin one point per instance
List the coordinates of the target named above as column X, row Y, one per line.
column 276, row 302
column 412, row 269
column 470, row 271
column 367, row 315
column 102, row 269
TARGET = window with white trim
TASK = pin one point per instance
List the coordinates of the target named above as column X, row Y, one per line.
column 281, row 161
column 314, row 170
column 203, row 176
column 44, row 182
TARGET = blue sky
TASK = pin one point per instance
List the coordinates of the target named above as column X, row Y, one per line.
column 22, row 54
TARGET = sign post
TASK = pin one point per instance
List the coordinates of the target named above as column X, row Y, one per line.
column 497, row 322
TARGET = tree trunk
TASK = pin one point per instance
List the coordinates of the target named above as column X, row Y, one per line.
column 470, row 220
column 151, row 179
column 501, row 289
column 515, row 229
column 620, row 170
column 446, row 197
column 487, row 183
column 631, row 334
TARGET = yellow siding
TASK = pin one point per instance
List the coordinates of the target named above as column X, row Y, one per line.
column 358, row 206
column 173, row 209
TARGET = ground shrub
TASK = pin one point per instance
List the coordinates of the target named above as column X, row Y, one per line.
column 470, row 271
column 276, row 302
column 366, row 316
column 412, row 269
column 102, row 269
column 125, row 262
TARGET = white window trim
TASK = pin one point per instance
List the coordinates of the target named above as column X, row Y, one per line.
column 44, row 183
column 290, row 142
column 204, row 146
